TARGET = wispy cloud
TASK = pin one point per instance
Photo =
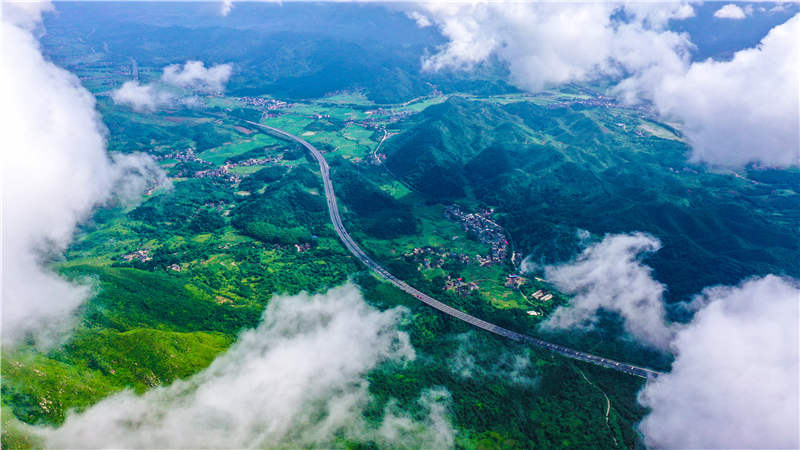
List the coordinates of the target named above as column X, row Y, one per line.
column 225, row 7
column 297, row 380
column 475, row 359
column 734, row 381
column 610, row 276
column 171, row 89
column 194, row 75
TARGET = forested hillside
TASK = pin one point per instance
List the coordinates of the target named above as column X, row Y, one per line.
column 554, row 169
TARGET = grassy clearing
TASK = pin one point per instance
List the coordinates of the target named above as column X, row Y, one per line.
column 219, row 154
column 396, row 189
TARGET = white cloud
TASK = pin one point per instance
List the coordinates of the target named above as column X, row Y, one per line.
column 225, row 7
column 734, row 381
column 548, row 44
column 171, row 89
column 26, row 15
column 421, row 20
column 609, row 276
column 55, row 172
column 733, row 112
column 140, row 97
column 730, row 11
column 742, row 110
column 297, row 380
column 398, row 429
column 194, row 75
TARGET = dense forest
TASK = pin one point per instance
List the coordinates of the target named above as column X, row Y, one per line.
column 554, row 170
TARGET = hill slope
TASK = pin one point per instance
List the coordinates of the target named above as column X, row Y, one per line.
column 553, row 170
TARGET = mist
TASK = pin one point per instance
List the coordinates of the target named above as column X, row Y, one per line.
column 296, row 380
column 610, row 276
column 476, row 358
column 175, row 87
column 56, row 171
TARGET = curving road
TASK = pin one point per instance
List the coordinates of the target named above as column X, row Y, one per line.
column 333, row 210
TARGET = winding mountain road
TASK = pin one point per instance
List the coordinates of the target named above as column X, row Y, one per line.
column 333, row 210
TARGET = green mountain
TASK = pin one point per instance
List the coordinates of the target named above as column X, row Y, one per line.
column 554, row 169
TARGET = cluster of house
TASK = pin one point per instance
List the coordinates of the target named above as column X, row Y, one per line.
column 597, row 101
column 380, row 158
column 377, row 118
column 139, row 255
column 186, row 155
column 487, row 231
column 388, row 113
column 269, row 107
column 459, row 285
column 514, row 281
column 267, row 104
column 434, row 258
column 218, row 172
column 218, row 205
column 253, row 162
column 542, row 295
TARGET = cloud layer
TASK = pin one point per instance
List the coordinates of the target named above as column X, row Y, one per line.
column 55, row 172
column 609, row 276
column 173, row 85
column 549, row 44
column 742, row 110
column 733, row 112
column 734, row 381
column 296, row 380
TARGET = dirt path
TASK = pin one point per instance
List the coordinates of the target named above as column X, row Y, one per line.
column 608, row 405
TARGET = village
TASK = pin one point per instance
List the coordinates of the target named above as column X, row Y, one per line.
column 486, row 230
column 434, row 258
column 223, row 172
column 268, row 104
column 380, row 117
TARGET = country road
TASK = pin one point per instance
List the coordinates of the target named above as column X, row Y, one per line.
column 333, row 210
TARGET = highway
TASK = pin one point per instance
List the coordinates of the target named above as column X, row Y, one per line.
column 333, row 210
